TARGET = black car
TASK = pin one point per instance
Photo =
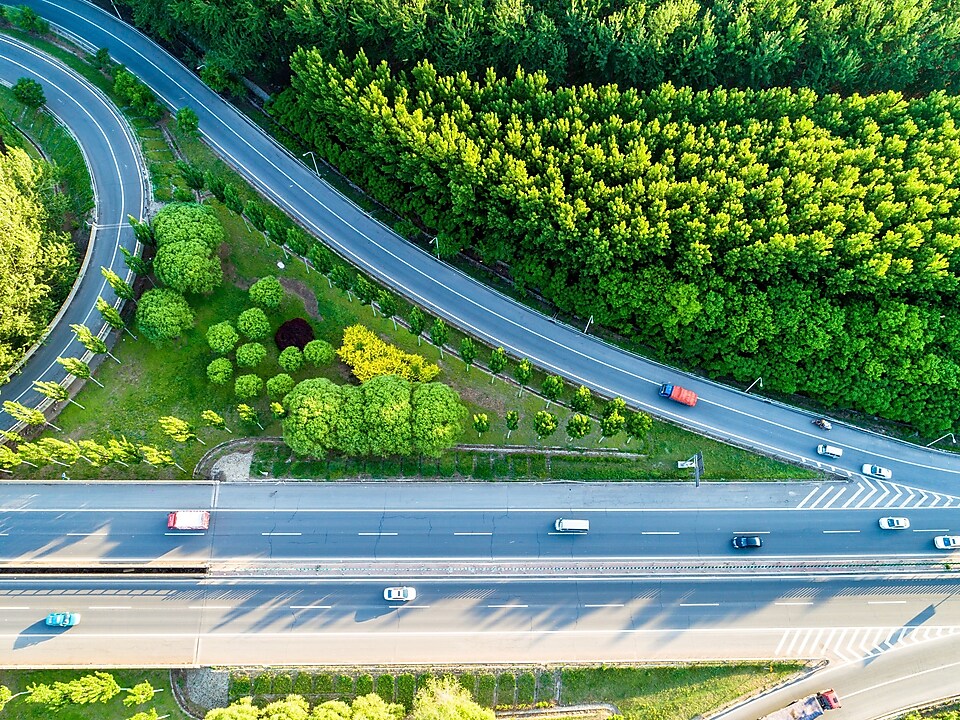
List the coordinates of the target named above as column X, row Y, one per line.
column 747, row 542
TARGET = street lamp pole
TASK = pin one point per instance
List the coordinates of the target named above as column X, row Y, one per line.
column 949, row 435
column 314, row 158
column 758, row 380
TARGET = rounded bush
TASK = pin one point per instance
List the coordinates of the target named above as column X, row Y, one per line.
column 266, row 292
column 296, row 332
column 279, row 385
column 251, row 354
column 222, row 338
column 318, row 352
column 220, row 371
column 163, row 314
column 247, row 387
column 291, row 359
column 180, row 222
column 253, row 323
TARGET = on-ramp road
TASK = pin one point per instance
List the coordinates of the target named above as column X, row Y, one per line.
column 117, row 172
column 743, row 419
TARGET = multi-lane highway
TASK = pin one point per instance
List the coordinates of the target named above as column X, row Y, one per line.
column 117, row 171
column 735, row 416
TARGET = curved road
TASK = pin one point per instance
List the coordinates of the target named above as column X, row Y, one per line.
column 723, row 412
column 116, row 168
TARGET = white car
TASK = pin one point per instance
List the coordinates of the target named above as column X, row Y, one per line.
column 894, row 523
column 947, row 542
column 876, row 471
column 400, row 594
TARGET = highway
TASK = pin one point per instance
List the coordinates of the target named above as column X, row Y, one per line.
column 116, row 168
column 722, row 412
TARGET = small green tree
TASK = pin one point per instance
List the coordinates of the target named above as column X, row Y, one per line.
column 97, row 455
column 322, row 259
column 578, row 426
column 29, row 93
column 158, row 458
column 232, row 199
column 143, row 231
column 163, row 314
column 417, row 322
column 439, row 334
column 255, row 213
column 481, row 423
column 267, row 292
column 522, row 373
column 254, row 324
column 192, row 175
column 55, row 391
column 247, row 386
column 291, row 359
column 318, row 353
column 179, row 430
column 388, row 306
column 545, row 424
column 213, row 419
column 220, row 371
column 90, row 341
column 27, row 415
column 187, row 121
column 216, row 184
column 552, row 388
column 119, row 286
column 139, row 266
column 111, row 316
column 468, row 352
column 78, row 368
column 582, row 400
column 616, row 405
column 344, row 279
column 251, row 354
column 638, row 424
column 611, row 425
column 513, row 422
column 277, row 410
column 366, row 292
column 249, row 415
column 498, row 361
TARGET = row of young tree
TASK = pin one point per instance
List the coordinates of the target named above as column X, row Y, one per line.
column 92, row 689
column 831, row 45
column 811, row 240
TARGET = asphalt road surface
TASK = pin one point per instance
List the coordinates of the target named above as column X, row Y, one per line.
column 115, row 165
column 730, row 414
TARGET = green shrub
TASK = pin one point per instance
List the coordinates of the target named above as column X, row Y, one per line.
column 253, row 323
column 546, row 687
column 279, row 385
column 406, row 688
column 282, row 684
column 526, row 688
column 303, row 685
column 423, row 679
column 318, row 353
column 291, row 359
column 266, row 292
column 323, row 684
column 385, row 687
column 251, row 354
column 263, row 683
column 239, row 685
column 486, row 690
column 343, row 688
column 468, row 681
column 364, row 685
column 247, row 386
column 506, row 688
column 220, row 371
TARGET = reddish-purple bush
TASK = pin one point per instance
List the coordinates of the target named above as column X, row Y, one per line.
column 293, row 333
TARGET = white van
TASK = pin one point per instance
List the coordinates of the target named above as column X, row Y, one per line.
column 566, row 525
column 829, row 450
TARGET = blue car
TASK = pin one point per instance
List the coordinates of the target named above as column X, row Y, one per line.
column 63, row 619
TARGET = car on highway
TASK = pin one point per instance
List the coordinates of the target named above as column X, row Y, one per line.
column 747, row 542
column 876, row 471
column 947, row 542
column 402, row 593
column 894, row 523
column 62, row 619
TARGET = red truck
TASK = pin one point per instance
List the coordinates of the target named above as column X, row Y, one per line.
column 678, row 394
column 188, row 520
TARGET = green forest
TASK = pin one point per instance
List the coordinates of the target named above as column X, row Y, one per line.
column 828, row 45
column 748, row 188
column 37, row 260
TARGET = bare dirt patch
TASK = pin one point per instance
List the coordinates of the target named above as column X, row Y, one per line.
column 303, row 291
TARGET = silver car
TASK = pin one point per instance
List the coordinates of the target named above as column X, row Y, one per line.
column 894, row 523
column 400, row 594
column 877, row 472
column 947, row 542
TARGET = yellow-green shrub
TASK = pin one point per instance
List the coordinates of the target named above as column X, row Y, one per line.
column 368, row 356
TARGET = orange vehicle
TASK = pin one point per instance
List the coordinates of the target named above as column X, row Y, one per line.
column 678, row 394
column 188, row 520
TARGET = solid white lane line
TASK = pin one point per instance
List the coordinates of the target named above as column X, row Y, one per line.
column 933, row 530
column 109, row 607
column 85, row 534
column 376, row 534
column 839, row 532
column 699, row 604
column 310, row 607
column 660, row 532
column 751, row 532
column 281, row 534
column 793, row 603
column 210, row 607
column 886, row 602
column 15, row 607
column 473, row 533
column 604, row 605
column 183, row 534
column 507, row 606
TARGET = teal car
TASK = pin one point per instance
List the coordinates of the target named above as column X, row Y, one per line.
column 63, row 619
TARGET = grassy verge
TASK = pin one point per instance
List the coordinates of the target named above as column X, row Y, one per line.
column 641, row 693
column 950, row 711
column 670, row 693
column 19, row 708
